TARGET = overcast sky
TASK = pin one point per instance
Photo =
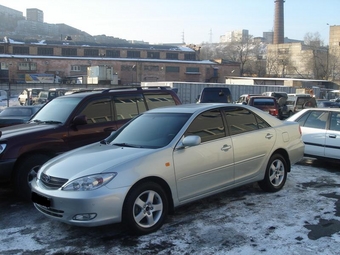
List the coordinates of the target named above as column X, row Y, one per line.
column 175, row 21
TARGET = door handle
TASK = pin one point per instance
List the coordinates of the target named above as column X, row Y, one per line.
column 269, row 136
column 332, row 136
column 226, row 147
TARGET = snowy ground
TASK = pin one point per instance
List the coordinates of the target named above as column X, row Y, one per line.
column 303, row 218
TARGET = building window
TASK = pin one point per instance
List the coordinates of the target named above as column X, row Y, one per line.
column 172, row 69
column 91, row 53
column 3, row 66
column 2, row 49
column 192, row 70
column 128, row 68
column 69, row 52
column 27, row 66
column 113, row 53
column 21, row 50
column 133, row 54
column 75, row 68
column 283, row 51
column 172, row 56
column 189, row 56
column 151, row 68
column 45, row 51
column 153, row 55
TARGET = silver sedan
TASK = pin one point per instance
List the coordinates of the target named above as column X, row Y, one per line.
column 165, row 158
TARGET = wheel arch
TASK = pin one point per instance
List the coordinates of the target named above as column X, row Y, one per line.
column 160, row 182
column 285, row 155
column 28, row 155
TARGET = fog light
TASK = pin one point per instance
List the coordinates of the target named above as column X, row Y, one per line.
column 85, row 216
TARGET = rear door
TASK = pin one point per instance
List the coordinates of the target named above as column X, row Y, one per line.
column 252, row 140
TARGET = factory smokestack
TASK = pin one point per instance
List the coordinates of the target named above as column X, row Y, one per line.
column 278, row 22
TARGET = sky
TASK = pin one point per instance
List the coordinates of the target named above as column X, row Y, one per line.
column 192, row 22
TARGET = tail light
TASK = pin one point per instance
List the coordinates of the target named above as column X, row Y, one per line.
column 300, row 130
column 274, row 112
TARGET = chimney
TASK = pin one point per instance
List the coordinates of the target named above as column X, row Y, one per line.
column 278, row 22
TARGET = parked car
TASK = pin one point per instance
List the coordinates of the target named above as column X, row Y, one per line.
column 327, row 104
column 165, row 158
column 215, row 95
column 243, row 99
column 320, row 132
column 68, row 122
column 297, row 102
column 29, row 95
column 46, row 96
column 265, row 103
column 3, row 95
column 281, row 98
column 14, row 115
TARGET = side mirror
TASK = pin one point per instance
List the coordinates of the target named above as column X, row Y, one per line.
column 79, row 120
column 189, row 141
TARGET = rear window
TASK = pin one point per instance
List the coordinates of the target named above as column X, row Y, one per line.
column 215, row 96
column 159, row 100
column 263, row 101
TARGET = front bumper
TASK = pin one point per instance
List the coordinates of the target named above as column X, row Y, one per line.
column 106, row 204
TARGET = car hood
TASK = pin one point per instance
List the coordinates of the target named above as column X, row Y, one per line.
column 22, row 129
column 92, row 159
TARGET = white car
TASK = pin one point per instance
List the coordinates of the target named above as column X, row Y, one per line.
column 320, row 131
column 165, row 158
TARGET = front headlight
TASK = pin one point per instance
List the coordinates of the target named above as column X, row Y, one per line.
column 2, row 147
column 90, row 182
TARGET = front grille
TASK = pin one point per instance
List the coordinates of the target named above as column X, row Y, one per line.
column 52, row 182
column 50, row 211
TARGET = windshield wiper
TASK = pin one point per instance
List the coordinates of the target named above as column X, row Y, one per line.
column 127, row 145
column 52, row 122
column 46, row 121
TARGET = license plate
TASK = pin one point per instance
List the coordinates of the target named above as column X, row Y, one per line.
column 41, row 200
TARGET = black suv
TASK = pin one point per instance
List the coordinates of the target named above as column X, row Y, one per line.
column 215, row 95
column 68, row 122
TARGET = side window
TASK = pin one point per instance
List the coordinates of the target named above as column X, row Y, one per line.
column 242, row 120
column 157, row 100
column 98, row 111
column 335, row 121
column 208, row 125
column 128, row 106
column 317, row 119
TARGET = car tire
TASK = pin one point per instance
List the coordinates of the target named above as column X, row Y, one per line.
column 25, row 172
column 145, row 208
column 276, row 174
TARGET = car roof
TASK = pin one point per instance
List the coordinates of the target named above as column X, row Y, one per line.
column 103, row 91
column 192, row 108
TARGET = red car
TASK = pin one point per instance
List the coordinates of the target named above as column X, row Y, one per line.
column 265, row 103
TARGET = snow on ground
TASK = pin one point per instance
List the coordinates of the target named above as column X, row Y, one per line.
column 303, row 218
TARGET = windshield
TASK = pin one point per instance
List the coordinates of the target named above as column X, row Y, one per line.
column 57, row 110
column 150, row 130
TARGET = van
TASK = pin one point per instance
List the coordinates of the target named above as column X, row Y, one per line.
column 215, row 95
column 29, row 95
column 297, row 102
